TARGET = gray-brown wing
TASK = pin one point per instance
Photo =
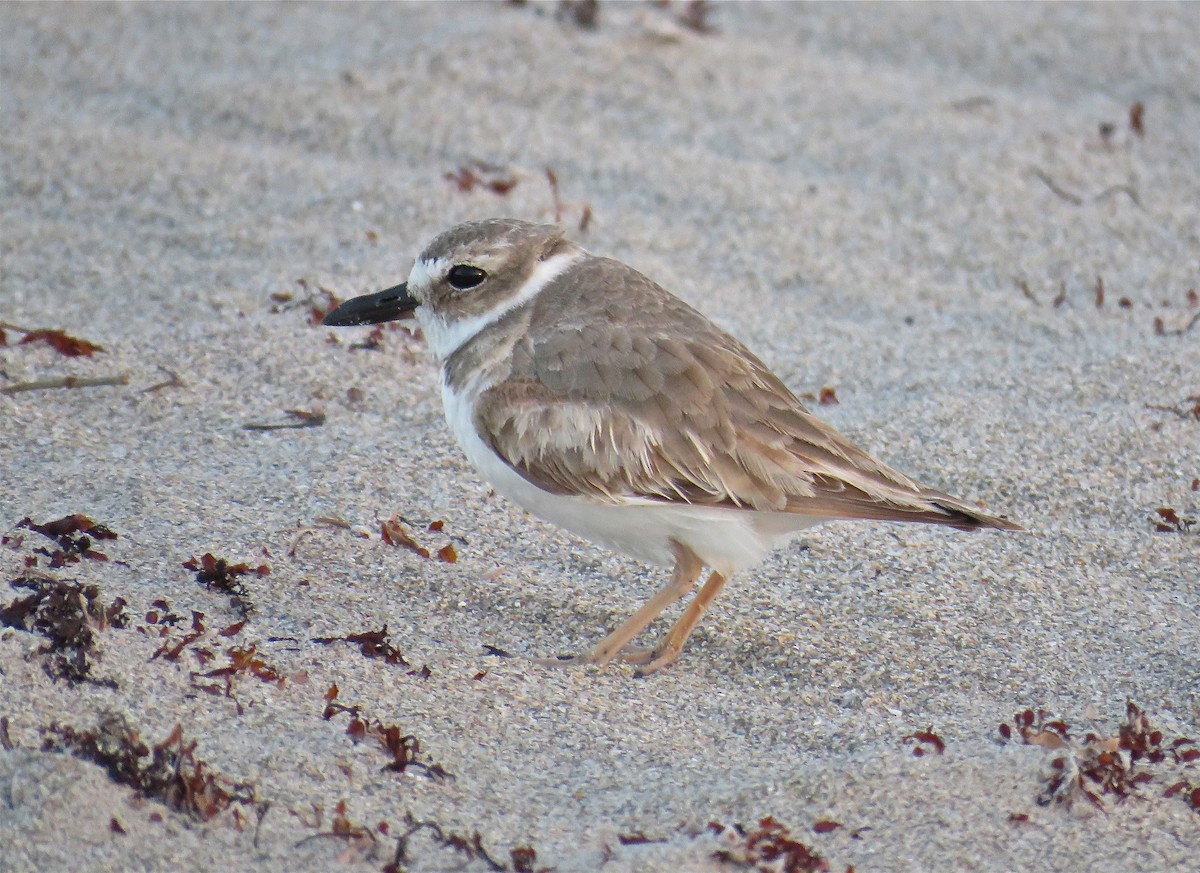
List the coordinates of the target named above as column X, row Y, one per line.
column 659, row 403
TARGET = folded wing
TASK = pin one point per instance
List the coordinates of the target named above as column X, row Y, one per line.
column 683, row 413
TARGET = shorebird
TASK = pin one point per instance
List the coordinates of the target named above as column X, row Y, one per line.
column 599, row 401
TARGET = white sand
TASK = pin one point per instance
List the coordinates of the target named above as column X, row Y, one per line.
column 853, row 190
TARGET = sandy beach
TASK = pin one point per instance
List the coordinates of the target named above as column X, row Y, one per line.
column 976, row 224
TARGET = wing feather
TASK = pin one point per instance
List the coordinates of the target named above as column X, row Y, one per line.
column 684, row 413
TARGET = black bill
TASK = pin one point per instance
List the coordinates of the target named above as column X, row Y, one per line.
column 387, row 305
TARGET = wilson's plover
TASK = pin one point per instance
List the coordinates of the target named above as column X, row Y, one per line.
column 599, row 401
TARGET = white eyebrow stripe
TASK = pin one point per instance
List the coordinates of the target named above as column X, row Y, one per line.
column 447, row 338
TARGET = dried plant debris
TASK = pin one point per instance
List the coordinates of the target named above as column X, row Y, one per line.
column 394, row 532
column 1099, row 295
column 60, row 341
column 171, row 650
column 1188, row 409
column 67, row 614
column 66, row 382
column 1188, row 790
column 480, row 174
column 300, row 418
column 243, row 660
column 637, row 838
column 403, row 748
column 1175, row 322
column 1186, row 323
column 1167, row 520
column 559, row 207
column 172, row 381
column 161, row 613
column 922, row 740
column 373, row 341
column 826, row 397
column 361, row 842
column 217, row 574
column 319, row 302
column 75, row 536
column 168, row 772
column 1099, row 764
column 767, row 847
column 373, row 644
column 1061, row 297
column 1137, row 119
column 522, row 859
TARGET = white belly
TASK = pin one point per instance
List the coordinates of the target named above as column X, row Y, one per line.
column 726, row 540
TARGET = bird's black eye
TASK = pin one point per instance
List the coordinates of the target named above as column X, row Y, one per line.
column 462, row 276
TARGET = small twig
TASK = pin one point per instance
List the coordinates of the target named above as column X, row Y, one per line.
column 261, row 809
column 558, row 206
column 66, row 382
column 1116, row 189
column 585, row 214
column 1192, row 414
column 304, row 418
column 1024, row 286
column 1061, row 297
column 355, row 834
column 308, row 531
column 969, row 103
column 173, row 382
column 1056, row 188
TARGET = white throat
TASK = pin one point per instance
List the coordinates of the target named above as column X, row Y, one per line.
column 445, row 337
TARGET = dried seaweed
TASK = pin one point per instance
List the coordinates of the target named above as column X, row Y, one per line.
column 67, row 614
column 217, row 574
column 921, row 739
column 767, row 847
column 172, row 650
column 394, row 532
column 361, row 842
column 168, row 772
column 62, row 342
column 1167, row 520
column 372, row 644
column 404, row 749
column 1099, row 765
column 480, row 174
column 243, row 660
column 522, row 858
column 75, row 536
